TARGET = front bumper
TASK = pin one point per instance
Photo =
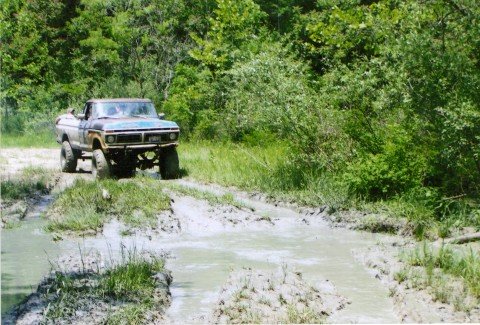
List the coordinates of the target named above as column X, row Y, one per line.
column 141, row 146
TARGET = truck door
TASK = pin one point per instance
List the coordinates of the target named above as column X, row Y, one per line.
column 85, row 126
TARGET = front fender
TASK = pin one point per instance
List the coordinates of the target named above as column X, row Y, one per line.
column 95, row 140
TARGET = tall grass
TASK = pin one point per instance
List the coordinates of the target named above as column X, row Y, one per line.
column 266, row 169
column 43, row 139
column 132, row 278
column 274, row 170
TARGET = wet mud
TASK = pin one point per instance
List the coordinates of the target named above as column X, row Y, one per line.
column 255, row 296
column 318, row 272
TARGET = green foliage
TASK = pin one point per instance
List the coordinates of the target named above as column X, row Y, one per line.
column 192, row 100
column 377, row 98
column 396, row 169
column 270, row 92
column 234, row 23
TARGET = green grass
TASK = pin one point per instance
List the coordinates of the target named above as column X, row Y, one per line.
column 131, row 280
column 450, row 276
column 260, row 168
column 225, row 199
column 31, row 181
column 463, row 265
column 128, row 283
column 271, row 169
column 87, row 205
column 42, row 139
column 433, row 219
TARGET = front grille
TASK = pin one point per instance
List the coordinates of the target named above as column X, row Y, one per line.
column 129, row 138
column 163, row 137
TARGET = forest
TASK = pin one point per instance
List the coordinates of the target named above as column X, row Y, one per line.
column 371, row 104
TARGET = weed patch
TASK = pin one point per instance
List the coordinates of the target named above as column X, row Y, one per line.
column 88, row 205
column 450, row 276
column 31, row 181
column 465, row 266
column 128, row 291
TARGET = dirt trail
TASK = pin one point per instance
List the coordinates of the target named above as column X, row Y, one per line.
column 207, row 245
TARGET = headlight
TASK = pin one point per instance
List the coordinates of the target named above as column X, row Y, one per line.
column 110, row 138
column 173, row 136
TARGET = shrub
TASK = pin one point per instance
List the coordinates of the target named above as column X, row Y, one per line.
column 397, row 168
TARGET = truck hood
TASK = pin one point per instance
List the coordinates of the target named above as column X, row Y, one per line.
column 121, row 124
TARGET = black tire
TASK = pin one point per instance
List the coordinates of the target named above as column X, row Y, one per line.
column 169, row 164
column 100, row 165
column 68, row 158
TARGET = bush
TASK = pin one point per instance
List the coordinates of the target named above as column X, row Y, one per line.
column 399, row 167
column 12, row 122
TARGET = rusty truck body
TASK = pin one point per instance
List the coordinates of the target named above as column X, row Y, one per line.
column 121, row 134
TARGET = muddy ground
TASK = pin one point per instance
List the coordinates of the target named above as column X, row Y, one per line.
column 262, row 262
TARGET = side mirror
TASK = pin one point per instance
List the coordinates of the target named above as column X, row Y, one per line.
column 81, row 116
column 161, row 116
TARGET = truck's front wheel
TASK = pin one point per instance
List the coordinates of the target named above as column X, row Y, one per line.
column 100, row 165
column 68, row 159
column 169, row 165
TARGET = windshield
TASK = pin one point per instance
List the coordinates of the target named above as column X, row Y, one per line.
column 124, row 109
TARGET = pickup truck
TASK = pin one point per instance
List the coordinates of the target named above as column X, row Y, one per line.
column 122, row 135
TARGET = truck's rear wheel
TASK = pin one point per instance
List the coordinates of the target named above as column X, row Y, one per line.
column 100, row 165
column 68, row 159
column 169, row 165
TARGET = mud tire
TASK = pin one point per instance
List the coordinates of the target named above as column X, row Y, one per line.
column 100, row 165
column 169, row 164
column 68, row 158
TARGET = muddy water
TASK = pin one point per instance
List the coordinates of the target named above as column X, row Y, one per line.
column 26, row 255
column 202, row 258
column 205, row 252
column 317, row 257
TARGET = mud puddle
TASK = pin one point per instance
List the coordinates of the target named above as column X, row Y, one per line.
column 203, row 255
column 205, row 251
